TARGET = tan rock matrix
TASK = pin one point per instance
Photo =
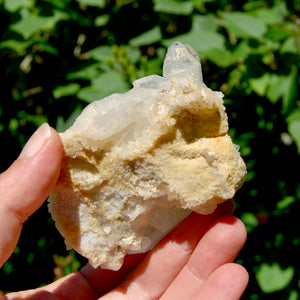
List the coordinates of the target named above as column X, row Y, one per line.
column 138, row 163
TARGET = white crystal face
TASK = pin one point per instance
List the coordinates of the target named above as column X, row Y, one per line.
column 136, row 164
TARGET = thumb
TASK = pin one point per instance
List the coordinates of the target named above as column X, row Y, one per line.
column 26, row 185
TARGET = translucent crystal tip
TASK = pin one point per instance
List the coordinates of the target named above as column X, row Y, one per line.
column 182, row 58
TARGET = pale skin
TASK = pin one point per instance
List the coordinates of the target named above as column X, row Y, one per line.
column 195, row 261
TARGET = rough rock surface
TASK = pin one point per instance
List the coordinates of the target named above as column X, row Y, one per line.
column 137, row 163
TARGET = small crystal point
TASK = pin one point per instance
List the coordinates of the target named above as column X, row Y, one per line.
column 182, row 58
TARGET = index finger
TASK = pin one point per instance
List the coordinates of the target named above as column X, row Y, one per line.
column 27, row 184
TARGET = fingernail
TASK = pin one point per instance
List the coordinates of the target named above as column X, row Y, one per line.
column 37, row 141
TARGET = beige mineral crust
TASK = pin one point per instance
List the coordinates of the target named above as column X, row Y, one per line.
column 138, row 163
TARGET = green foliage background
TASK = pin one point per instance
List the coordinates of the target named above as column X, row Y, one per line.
column 56, row 56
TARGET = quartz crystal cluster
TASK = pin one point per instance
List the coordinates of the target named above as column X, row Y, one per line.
column 138, row 163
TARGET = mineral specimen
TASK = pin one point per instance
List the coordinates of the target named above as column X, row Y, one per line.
column 138, row 163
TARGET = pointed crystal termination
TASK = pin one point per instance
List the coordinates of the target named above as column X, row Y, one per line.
column 137, row 164
column 182, row 59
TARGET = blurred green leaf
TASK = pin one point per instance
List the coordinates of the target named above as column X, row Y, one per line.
column 101, row 20
column 48, row 48
column 103, row 86
column 241, row 52
column 277, row 34
column 133, row 54
column 42, row 242
column 95, row 3
column 294, row 295
column 60, row 4
column 290, row 92
column 177, row 7
column 149, row 37
column 273, row 15
column 102, row 53
column 285, row 202
column 62, row 125
column 14, row 5
column 66, row 90
column 30, row 258
column 87, row 73
column 293, row 121
column 250, row 221
column 243, row 26
column 291, row 45
column 260, row 85
column 15, row 45
column 276, row 87
column 32, row 22
column 8, row 268
column 272, row 278
column 37, row 119
column 206, row 23
column 220, row 56
column 13, row 126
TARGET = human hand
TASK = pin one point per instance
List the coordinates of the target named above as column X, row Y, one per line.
column 194, row 261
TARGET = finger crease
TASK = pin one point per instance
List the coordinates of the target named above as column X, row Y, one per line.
column 137, row 292
column 195, row 274
column 21, row 217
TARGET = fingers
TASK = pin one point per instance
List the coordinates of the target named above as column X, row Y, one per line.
column 166, row 264
column 165, row 261
column 29, row 295
column 219, row 246
column 26, row 185
column 88, row 284
column 229, row 281
column 74, row 286
column 105, row 280
column 96, row 282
